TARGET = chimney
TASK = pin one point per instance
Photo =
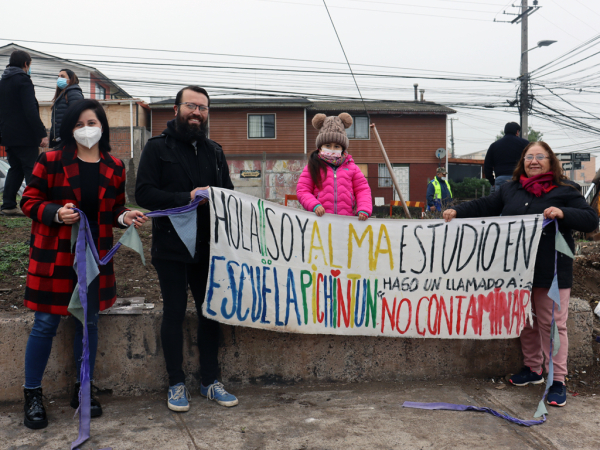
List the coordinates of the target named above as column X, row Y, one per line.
column 416, row 85
column 422, row 91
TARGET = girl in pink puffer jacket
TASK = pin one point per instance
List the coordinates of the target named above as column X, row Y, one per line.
column 331, row 182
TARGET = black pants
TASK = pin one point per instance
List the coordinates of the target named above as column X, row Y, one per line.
column 21, row 160
column 174, row 278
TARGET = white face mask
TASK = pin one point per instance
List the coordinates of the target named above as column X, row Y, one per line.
column 88, row 136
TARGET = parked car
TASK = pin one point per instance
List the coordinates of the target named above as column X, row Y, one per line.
column 4, row 166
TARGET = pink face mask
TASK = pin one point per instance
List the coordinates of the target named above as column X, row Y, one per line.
column 331, row 153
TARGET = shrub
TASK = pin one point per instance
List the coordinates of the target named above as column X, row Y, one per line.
column 470, row 188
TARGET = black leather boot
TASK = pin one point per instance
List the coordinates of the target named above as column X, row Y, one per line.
column 95, row 408
column 35, row 414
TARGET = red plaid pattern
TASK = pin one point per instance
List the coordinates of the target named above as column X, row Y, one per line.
column 54, row 183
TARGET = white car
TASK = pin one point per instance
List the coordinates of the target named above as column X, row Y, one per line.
column 4, row 166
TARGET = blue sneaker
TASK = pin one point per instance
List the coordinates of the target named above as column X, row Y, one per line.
column 178, row 398
column 557, row 395
column 217, row 392
column 527, row 376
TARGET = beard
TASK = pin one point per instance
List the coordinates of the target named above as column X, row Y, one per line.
column 191, row 132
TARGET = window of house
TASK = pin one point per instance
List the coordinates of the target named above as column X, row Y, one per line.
column 100, row 92
column 359, row 128
column 261, row 126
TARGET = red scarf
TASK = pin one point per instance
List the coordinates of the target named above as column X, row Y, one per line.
column 538, row 184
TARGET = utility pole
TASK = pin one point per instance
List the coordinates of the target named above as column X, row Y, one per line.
column 525, row 12
column 452, row 135
column 524, row 71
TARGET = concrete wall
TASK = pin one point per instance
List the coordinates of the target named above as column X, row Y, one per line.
column 130, row 359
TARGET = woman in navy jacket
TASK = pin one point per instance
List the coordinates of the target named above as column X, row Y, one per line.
column 67, row 92
column 539, row 187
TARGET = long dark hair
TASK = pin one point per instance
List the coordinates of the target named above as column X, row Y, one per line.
column 555, row 166
column 67, row 141
column 316, row 167
column 72, row 80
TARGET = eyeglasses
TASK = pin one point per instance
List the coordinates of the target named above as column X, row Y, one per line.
column 539, row 157
column 193, row 106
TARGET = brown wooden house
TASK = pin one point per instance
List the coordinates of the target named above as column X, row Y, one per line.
column 267, row 141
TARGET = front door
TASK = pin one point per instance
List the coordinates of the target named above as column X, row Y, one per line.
column 401, row 173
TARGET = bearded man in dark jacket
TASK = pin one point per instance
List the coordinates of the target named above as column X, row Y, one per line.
column 21, row 128
column 173, row 167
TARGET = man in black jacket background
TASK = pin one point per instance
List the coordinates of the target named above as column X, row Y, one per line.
column 173, row 166
column 503, row 155
column 21, row 128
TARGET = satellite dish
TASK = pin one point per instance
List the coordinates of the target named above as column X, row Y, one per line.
column 440, row 153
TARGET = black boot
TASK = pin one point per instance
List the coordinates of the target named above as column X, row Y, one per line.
column 95, row 408
column 35, row 414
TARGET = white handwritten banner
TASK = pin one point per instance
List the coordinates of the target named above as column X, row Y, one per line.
column 283, row 269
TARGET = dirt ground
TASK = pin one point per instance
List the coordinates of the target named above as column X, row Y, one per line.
column 133, row 278
column 586, row 272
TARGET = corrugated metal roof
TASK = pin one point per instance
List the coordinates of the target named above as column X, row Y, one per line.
column 373, row 107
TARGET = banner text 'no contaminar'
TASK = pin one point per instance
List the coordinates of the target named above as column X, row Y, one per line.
column 288, row 270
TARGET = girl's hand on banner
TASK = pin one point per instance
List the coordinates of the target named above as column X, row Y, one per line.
column 137, row 218
column 320, row 211
column 362, row 216
column 67, row 215
column 193, row 194
column 449, row 214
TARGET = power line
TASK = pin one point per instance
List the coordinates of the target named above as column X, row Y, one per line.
column 377, row 10
column 585, row 6
column 223, row 54
column 561, row 29
column 417, row 6
column 569, row 65
column 570, row 54
column 570, row 13
column 346, row 57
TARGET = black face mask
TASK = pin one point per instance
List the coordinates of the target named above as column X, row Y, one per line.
column 191, row 133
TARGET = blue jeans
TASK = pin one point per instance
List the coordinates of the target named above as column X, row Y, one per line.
column 21, row 160
column 499, row 182
column 44, row 329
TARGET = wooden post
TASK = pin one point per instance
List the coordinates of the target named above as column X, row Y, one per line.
column 389, row 167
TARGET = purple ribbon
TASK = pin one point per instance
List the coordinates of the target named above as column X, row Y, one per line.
column 200, row 195
column 527, row 423
column 454, row 407
column 84, row 237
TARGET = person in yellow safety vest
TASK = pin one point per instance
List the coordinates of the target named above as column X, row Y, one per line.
column 438, row 191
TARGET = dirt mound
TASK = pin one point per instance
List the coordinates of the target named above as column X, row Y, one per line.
column 586, row 272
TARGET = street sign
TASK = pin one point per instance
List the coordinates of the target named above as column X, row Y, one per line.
column 565, row 157
column 572, row 165
column 581, row 156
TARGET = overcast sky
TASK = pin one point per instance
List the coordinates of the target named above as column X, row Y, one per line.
column 384, row 40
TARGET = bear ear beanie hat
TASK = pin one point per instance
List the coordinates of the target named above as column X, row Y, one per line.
column 332, row 129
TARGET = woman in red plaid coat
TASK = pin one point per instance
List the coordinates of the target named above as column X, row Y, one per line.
column 83, row 174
